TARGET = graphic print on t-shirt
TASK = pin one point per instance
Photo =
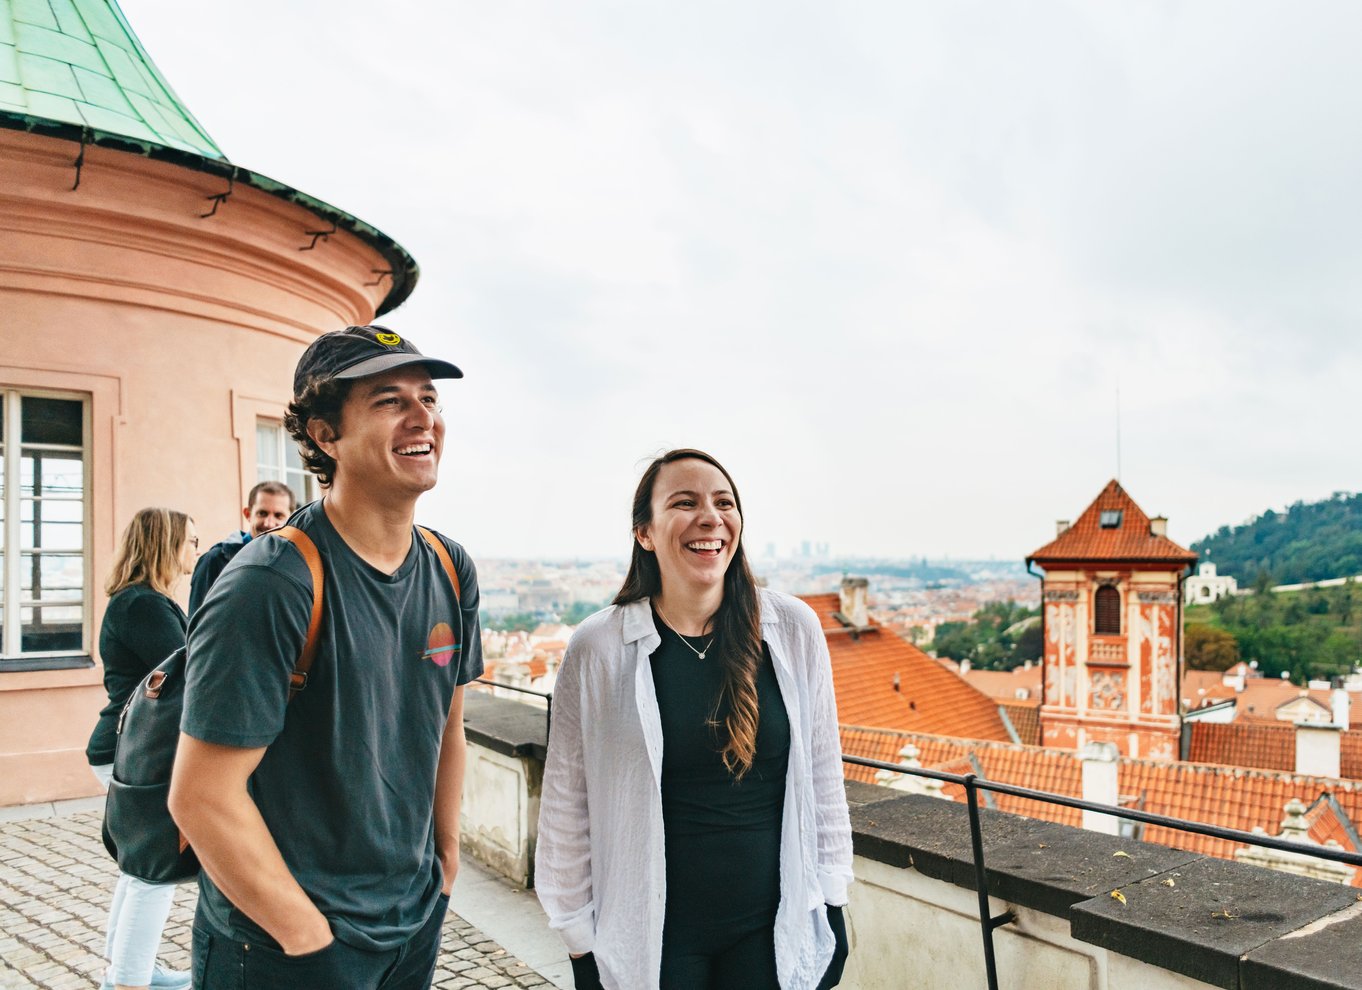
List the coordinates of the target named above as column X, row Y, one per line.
column 440, row 645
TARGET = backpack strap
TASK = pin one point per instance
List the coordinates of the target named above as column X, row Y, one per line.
column 442, row 551
column 298, row 679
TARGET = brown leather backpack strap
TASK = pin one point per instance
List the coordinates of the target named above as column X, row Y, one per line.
column 442, row 551
column 298, row 679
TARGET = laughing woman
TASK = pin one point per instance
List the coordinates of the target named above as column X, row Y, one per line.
column 693, row 830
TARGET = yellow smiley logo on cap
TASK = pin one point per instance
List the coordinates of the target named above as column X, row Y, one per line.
column 391, row 339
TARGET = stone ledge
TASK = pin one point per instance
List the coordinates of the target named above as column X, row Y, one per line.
column 1217, row 921
column 1032, row 863
column 1312, row 959
column 1216, row 912
column 511, row 728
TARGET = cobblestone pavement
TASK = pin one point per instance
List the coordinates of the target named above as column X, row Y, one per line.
column 55, row 884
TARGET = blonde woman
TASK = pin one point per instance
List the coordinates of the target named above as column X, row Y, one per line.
column 693, row 828
column 143, row 625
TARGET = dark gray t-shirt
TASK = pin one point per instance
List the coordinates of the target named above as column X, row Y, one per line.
column 347, row 785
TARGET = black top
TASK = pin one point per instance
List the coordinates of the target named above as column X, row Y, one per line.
column 210, row 565
column 347, row 783
column 722, row 834
column 141, row 628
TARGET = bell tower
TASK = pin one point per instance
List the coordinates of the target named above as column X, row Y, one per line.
column 1112, row 618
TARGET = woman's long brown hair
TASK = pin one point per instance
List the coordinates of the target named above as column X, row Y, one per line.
column 737, row 623
column 149, row 552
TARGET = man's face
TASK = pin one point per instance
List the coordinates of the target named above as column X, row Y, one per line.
column 391, row 433
column 270, row 511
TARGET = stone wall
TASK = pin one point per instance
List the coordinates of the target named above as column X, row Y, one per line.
column 1182, row 920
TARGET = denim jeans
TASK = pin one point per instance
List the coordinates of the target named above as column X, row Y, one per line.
column 137, row 915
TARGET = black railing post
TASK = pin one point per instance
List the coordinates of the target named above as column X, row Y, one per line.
column 986, row 921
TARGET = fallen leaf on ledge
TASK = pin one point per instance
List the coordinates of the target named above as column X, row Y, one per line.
column 1117, row 895
column 1122, row 853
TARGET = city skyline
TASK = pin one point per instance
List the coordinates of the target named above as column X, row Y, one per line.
column 893, row 265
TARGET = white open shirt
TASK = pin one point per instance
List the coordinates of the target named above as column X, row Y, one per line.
column 599, row 865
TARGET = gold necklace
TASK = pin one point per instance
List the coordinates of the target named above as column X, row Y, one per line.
column 700, row 654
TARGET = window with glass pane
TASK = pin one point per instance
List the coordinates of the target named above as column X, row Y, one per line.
column 277, row 459
column 44, row 599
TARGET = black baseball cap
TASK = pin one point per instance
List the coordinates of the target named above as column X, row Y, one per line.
column 358, row 352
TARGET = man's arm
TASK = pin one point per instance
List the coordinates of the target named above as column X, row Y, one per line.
column 449, row 790
column 210, row 803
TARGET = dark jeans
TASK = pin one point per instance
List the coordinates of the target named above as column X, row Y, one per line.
column 221, row 963
column 748, row 963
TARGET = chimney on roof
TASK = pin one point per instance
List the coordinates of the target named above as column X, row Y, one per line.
column 1340, row 703
column 1061, row 527
column 1158, row 526
column 1317, row 749
column 853, row 594
column 1100, row 785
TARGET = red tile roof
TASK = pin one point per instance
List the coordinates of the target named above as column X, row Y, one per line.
column 1132, row 541
column 1263, row 696
column 1204, row 687
column 1025, row 717
column 1004, row 684
column 929, row 698
column 1232, row 797
column 1265, row 746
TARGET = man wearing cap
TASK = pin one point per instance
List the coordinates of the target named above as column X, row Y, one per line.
column 328, row 826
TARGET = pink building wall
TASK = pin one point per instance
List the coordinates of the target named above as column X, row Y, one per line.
column 181, row 331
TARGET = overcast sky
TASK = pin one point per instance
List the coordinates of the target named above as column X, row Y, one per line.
column 891, row 262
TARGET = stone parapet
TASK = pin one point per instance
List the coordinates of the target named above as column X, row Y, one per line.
column 1182, row 920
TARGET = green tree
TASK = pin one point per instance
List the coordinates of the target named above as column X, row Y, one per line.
column 1209, row 648
column 1030, row 643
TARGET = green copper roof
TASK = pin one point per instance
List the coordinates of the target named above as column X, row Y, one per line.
column 78, row 62
column 73, row 69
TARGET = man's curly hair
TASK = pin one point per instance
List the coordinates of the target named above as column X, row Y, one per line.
column 321, row 398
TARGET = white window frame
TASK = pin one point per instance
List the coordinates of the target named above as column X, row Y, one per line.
column 299, row 478
column 11, row 442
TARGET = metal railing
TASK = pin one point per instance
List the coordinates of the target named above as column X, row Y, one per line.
column 972, row 783
column 546, row 695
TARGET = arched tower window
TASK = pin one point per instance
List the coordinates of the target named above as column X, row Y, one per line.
column 1107, row 611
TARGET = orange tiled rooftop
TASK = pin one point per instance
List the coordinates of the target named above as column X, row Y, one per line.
column 928, row 698
column 1232, row 797
column 1132, row 540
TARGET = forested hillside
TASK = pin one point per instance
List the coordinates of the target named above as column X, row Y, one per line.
column 1308, row 542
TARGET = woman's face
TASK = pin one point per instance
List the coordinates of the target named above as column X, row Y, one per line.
column 189, row 549
column 695, row 526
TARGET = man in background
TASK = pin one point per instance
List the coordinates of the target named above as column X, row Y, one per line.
column 268, row 507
